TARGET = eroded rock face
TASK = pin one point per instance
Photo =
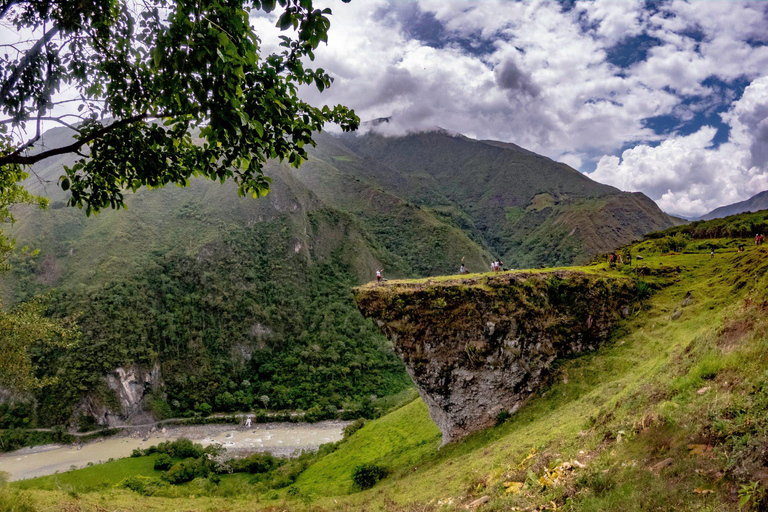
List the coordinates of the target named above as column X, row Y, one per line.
column 132, row 387
column 474, row 347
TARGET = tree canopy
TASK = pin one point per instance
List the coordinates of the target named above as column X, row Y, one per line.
column 158, row 91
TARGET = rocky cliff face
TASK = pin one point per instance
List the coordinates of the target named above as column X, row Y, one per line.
column 127, row 404
column 477, row 346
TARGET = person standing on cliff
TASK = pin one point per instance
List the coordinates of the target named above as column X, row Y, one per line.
column 378, row 275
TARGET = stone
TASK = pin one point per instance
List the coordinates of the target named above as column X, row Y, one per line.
column 663, row 464
column 703, row 390
column 477, row 346
column 478, row 502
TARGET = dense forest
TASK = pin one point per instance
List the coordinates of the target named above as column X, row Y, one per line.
column 244, row 325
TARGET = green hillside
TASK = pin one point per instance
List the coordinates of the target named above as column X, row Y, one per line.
column 669, row 415
column 526, row 208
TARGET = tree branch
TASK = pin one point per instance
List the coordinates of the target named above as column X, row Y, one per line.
column 31, row 54
column 6, row 6
column 15, row 158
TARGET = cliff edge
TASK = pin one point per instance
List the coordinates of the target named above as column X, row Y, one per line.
column 480, row 345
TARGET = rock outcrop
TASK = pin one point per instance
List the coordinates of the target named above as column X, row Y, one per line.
column 131, row 389
column 477, row 346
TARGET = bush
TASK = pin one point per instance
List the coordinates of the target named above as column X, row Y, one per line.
column 256, row 463
column 502, row 416
column 187, row 470
column 205, row 409
column 353, row 427
column 163, row 462
column 144, row 485
column 365, row 476
column 179, row 449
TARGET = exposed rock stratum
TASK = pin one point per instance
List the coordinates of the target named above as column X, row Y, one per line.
column 480, row 345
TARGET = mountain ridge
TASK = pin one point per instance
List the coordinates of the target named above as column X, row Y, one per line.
column 753, row 204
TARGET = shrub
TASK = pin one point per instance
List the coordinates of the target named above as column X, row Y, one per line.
column 365, row 476
column 144, row 485
column 353, row 427
column 163, row 462
column 256, row 463
column 502, row 416
column 180, row 449
column 187, row 470
column 205, row 409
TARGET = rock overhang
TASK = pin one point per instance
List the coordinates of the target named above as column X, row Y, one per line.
column 477, row 345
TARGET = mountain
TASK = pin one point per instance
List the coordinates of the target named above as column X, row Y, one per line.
column 526, row 208
column 211, row 301
column 753, row 204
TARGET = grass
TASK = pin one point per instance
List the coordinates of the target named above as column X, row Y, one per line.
column 397, row 441
column 672, row 414
column 92, row 478
column 481, row 277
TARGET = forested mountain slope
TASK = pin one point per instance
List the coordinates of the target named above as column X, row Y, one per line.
column 528, row 209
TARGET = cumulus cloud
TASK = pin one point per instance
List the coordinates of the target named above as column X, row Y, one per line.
column 538, row 74
column 687, row 174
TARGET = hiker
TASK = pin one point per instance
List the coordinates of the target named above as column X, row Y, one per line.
column 378, row 275
column 612, row 260
column 248, row 422
column 629, row 258
column 462, row 269
column 712, row 254
column 741, row 248
column 500, row 268
column 494, row 266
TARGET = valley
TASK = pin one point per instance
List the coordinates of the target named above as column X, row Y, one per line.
column 194, row 300
column 669, row 412
column 383, row 256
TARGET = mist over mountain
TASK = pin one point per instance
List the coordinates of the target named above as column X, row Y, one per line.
column 753, row 204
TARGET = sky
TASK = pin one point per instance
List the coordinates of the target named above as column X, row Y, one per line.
column 667, row 98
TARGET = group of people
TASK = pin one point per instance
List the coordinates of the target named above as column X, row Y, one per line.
column 614, row 258
column 496, row 266
column 759, row 239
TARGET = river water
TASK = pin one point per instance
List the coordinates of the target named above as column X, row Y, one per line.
column 276, row 438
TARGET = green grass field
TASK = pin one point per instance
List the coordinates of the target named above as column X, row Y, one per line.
column 97, row 477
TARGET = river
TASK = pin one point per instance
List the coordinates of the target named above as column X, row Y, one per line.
column 276, row 438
